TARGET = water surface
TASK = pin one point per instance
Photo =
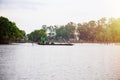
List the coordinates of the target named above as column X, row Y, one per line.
column 78, row 62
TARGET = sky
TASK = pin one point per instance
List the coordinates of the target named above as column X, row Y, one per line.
column 32, row 14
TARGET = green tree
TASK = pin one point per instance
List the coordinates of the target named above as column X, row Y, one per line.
column 66, row 32
column 9, row 32
column 70, row 30
column 36, row 35
column 61, row 33
column 83, row 31
column 114, row 26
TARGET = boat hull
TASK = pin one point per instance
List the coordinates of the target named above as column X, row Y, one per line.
column 57, row 44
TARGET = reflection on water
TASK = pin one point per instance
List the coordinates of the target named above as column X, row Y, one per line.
column 78, row 62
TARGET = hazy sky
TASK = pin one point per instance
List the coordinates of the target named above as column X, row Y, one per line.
column 31, row 14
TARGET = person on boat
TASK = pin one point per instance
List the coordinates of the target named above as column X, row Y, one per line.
column 43, row 39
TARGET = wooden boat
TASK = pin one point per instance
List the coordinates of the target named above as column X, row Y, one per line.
column 58, row 44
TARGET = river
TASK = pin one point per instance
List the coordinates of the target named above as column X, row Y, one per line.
column 28, row 61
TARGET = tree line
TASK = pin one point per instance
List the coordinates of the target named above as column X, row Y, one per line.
column 102, row 31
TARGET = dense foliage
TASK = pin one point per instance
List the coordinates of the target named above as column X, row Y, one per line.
column 66, row 32
column 36, row 35
column 103, row 30
column 9, row 32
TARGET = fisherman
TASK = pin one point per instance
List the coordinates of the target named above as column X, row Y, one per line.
column 43, row 39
